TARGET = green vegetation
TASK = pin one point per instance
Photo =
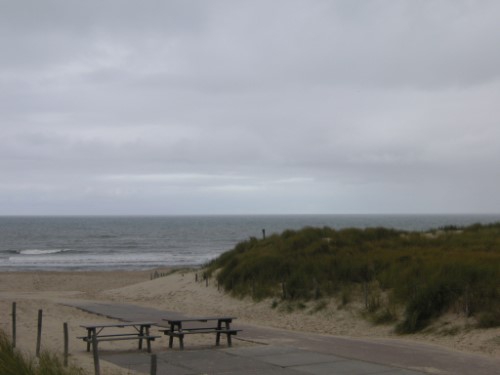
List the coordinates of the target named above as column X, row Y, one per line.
column 13, row 362
column 425, row 274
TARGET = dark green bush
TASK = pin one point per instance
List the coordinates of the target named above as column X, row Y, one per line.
column 427, row 303
column 12, row 362
column 425, row 273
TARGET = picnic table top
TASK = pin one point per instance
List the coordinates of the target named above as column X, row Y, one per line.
column 118, row 325
column 199, row 319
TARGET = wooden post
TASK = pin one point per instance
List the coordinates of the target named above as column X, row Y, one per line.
column 66, row 344
column 283, row 288
column 365, row 288
column 13, row 324
column 97, row 369
column 264, row 234
column 39, row 333
column 153, row 364
column 466, row 301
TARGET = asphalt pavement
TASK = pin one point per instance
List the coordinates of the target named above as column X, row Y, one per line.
column 276, row 351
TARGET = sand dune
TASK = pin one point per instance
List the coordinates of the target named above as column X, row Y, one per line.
column 180, row 292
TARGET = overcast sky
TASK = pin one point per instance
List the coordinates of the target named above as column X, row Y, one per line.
column 249, row 107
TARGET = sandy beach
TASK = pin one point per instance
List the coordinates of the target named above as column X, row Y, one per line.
column 179, row 291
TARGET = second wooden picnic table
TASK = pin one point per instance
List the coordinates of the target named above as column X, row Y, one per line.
column 185, row 326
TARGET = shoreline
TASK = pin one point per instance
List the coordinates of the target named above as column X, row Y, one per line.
column 103, row 269
column 177, row 290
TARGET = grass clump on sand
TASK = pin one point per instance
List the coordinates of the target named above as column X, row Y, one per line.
column 423, row 274
column 13, row 362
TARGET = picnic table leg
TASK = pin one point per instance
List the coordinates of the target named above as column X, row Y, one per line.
column 181, row 336
column 89, row 338
column 148, row 340
column 181, row 341
column 217, row 335
column 141, row 333
column 171, row 336
column 228, row 334
column 171, row 341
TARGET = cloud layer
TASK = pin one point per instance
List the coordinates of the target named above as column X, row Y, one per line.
column 186, row 107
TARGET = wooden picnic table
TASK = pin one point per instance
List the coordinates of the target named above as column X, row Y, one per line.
column 140, row 332
column 180, row 327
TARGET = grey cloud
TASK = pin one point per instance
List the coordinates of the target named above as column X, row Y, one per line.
column 337, row 106
column 376, row 43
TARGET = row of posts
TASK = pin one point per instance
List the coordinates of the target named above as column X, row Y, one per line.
column 66, row 342
column 38, row 333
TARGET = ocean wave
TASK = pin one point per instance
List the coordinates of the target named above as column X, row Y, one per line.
column 102, row 261
column 42, row 251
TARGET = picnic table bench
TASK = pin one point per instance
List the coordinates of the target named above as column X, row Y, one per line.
column 140, row 332
column 176, row 329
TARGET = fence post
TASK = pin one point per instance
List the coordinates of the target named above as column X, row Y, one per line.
column 467, row 301
column 39, row 333
column 283, row 289
column 97, row 369
column 13, row 324
column 365, row 289
column 66, row 344
column 153, row 364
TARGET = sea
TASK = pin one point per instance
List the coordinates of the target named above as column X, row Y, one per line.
column 82, row 243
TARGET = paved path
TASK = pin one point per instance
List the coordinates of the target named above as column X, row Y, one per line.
column 290, row 352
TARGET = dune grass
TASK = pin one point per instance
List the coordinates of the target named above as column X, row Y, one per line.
column 425, row 274
column 13, row 362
